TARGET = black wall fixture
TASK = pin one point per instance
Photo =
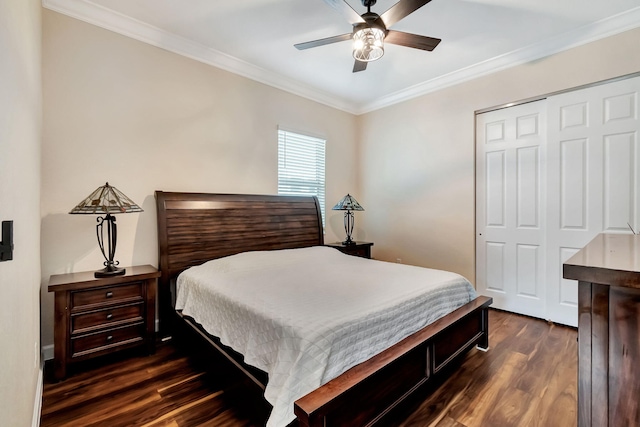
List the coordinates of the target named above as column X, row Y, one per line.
column 6, row 245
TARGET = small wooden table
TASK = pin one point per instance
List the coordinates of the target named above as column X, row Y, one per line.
column 361, row 249
column 608, row 271
column 95, row 317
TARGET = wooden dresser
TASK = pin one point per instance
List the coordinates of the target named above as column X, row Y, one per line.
column 95, row 317
column 608, row 271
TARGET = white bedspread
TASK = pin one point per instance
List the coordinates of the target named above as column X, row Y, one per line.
column 306, row 315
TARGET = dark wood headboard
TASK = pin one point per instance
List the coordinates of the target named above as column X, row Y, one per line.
column 197, row 227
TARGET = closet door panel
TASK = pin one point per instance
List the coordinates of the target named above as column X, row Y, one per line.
column 619, row 181
column 592, row 176
column 510, row 208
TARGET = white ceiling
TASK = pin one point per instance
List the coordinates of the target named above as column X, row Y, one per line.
column 255, row 38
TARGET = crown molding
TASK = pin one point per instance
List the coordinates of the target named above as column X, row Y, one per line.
column 586, row 34
column 92, row 13
column 85, row 10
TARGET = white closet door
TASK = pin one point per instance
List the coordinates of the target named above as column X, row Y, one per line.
column 510, row 207
column 541, row 195
column 593, row 178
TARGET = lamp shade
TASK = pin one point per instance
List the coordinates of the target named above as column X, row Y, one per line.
column 347, row 203
column 106, row 200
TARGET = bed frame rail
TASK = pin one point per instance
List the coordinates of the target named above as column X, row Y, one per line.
column 368, row 392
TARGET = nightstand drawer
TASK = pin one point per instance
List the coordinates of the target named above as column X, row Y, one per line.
column 107, row 295
column 364, row 252
column 94, row 343
column 82, row 323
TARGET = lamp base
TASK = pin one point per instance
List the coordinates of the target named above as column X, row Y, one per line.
column 349, row 241
column 108, row 271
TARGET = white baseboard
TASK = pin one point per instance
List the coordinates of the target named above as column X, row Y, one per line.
column 37, row 403
column 47, row 352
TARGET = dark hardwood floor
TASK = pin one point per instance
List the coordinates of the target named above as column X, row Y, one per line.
column 527, row 378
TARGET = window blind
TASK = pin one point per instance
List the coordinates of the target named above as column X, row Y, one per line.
column 301, row 164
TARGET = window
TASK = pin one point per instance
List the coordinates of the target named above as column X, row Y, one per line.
column 301, row 166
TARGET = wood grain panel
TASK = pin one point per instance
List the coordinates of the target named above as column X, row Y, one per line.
column 584, row 365
column 83, row 300
column 624, row 346
column 381, row 390
column 448, row 345
column 217, row 222
column 83, row 323
column 104, row 341
column 599, row 355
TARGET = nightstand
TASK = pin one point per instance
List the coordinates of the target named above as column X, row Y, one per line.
column 95, row 317
column 361, row 249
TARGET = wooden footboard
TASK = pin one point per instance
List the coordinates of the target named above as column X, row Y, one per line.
column 364, row 394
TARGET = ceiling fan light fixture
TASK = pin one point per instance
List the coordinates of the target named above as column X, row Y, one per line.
column 368, row 44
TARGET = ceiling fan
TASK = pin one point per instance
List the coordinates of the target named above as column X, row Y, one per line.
column 370, row 31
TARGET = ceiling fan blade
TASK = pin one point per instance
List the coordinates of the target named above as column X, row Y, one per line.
column 342, row 7
column 322, row 42
column 411, row 40
column 400, row 10
column 359, row 66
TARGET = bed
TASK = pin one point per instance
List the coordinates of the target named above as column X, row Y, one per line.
column 196, row 228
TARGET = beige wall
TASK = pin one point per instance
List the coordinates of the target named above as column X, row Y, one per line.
column 20, row 133
column 145, row 119
column 417, row 157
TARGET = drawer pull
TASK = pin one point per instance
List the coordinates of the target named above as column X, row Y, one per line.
column 109, row 294
column 109, row 316
column 109, row 338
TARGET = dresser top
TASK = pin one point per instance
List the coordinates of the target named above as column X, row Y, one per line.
column 609, row 259
column 62, row 282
